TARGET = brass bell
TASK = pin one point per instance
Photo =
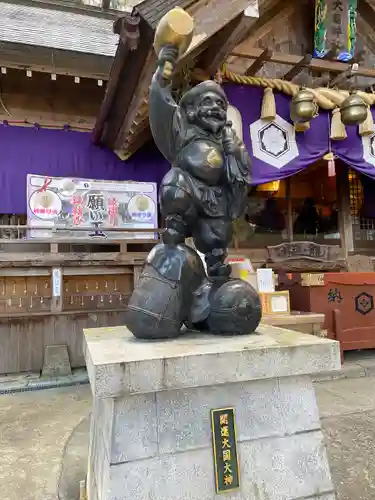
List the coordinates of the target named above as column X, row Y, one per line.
column 303, row 107
column 353, row 110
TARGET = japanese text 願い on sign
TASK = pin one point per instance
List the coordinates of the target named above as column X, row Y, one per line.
column 92, row 205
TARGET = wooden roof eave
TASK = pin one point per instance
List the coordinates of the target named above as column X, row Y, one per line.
column 319, row 72
column 128, row 28
column 121, row 136
column 205, row 55
column 135, row 132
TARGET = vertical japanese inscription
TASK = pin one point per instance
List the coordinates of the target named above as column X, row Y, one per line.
column 335, row 26
column 227, row 476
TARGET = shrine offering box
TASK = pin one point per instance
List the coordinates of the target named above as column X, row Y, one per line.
column 346, row 300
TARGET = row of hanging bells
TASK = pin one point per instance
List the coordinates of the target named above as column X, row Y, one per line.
column 303, row 108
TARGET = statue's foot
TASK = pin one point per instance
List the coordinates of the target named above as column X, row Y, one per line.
column 219, row 271
column 163, row 295
column 148, row 326
column 225, row 307
column 201, row 305
column 235, row 309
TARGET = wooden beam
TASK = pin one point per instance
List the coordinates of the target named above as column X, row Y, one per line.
column 141, row 88
column 349, row 73
column 128, row 95
column 365, row 29
column 365, row 23
column 366, row 12
column 50, row 69
column 359, row 57
column 301, row 65
column 122, row 51
column 211, row 16
column 247, row 52
column 321, row 81
column 258, row 63
column 264, row 7
column 133, row 136
column 228, row 38
column 219, row 49
column 60, row 62
column 221, row 44
column 141, row 115
column 131, row 146
column 127, row 27
column 138, row 126
column 266, row 22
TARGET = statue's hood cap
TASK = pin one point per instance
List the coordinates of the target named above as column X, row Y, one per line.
column 207, row 86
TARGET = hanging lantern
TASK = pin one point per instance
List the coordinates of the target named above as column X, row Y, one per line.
column 303, row 107
column 353, row 110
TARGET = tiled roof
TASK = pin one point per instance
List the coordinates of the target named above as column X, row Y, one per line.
column 57, row 29
column 153, row 10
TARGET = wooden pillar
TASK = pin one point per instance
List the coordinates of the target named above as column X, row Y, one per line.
column 343, row 206
column 289, row 216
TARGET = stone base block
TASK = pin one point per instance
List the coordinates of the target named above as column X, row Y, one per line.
column 151, row 432
column 56, row 361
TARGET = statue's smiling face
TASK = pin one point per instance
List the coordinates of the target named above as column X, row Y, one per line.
column 211, row 112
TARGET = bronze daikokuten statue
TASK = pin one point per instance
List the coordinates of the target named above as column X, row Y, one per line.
column 201, row 195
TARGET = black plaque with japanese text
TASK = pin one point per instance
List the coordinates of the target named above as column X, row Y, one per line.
column 227, row 476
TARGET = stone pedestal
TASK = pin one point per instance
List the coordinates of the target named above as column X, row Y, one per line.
column 151, row 423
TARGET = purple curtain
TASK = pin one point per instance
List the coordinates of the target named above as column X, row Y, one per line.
column 276, row 151
column 60, row 153
column 356, row 151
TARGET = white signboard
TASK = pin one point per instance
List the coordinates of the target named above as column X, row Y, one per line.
column 74, row 203
column 56, row 282
column 265, row 280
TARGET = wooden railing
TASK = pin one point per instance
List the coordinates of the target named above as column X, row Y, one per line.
column 19, row 231
column 51, row 288
column 16, row 238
